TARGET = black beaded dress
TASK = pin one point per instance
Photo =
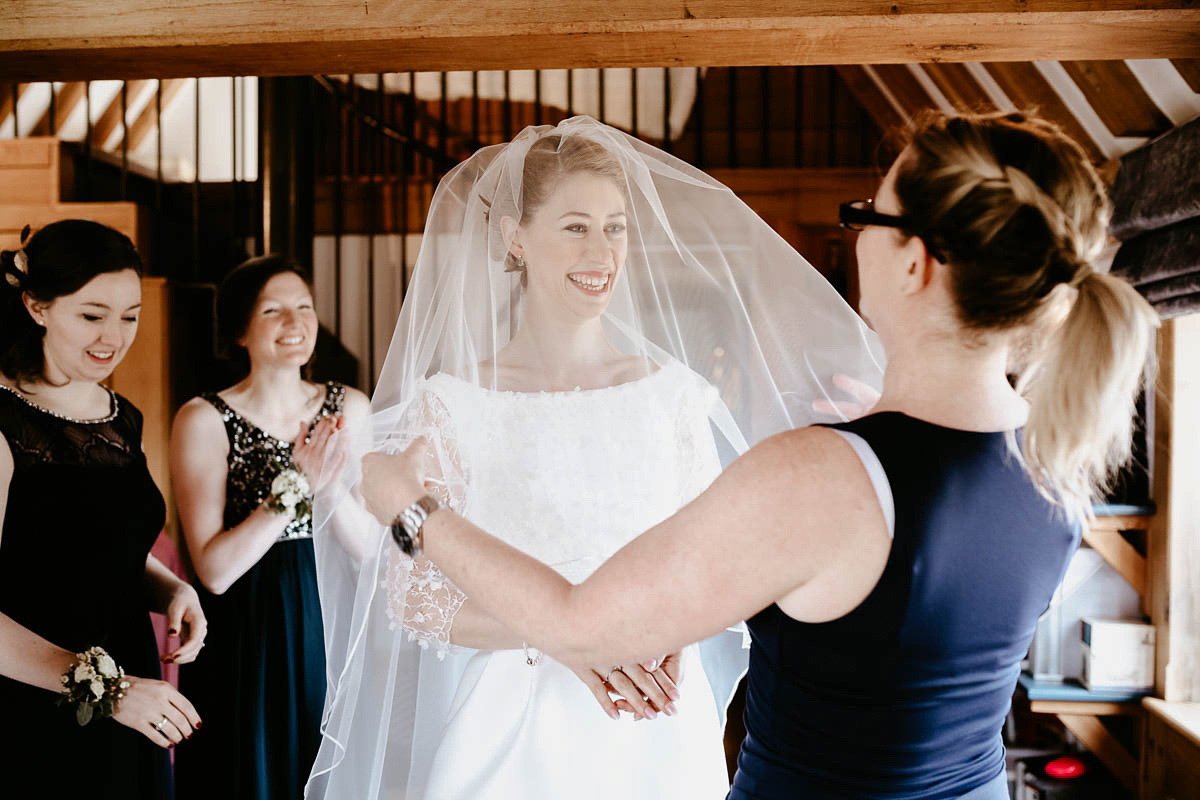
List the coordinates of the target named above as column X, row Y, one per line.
column 81, row 516
column 259, row 684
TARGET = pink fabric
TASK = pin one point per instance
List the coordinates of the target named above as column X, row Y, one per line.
column 165, row 551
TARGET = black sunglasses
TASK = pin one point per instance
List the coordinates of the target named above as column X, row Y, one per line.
column 857, row 215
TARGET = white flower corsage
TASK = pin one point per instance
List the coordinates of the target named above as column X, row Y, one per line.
column 94, row 684
column 290, row 495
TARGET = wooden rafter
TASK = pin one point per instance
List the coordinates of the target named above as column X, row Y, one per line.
column 1189, row 68
column 960, row 87
column 69, row 39
column 905, row 87
column 108, row 121
column 869, row 96
column 146, row 120
column 1030, row 91
column 1118, row 99
column 69, row 98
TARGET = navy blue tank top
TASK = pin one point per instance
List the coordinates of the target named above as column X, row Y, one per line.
column 905, row 696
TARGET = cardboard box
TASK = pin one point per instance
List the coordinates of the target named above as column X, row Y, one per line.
column 1117, row 654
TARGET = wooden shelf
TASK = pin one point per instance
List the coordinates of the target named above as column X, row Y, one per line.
column 1078, row 709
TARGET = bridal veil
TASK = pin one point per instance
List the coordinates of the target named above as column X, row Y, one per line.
column 708, row 289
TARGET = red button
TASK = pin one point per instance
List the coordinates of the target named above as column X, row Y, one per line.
column 1065, row 767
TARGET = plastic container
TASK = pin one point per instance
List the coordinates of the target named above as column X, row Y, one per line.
column 1090, row 588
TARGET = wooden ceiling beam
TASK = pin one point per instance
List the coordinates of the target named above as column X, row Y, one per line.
column 1030, row 91
column 73, row 39
column 66, row 101
column 1189, row 68
column 1118, row 99
column 147, row 119
column 960, row 87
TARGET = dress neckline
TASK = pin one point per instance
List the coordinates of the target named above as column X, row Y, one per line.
column 113, row 404
column 938, row 425
column 578, row 391
column 225, row 407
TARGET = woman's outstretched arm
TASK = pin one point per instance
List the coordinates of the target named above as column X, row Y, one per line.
column 793, row 508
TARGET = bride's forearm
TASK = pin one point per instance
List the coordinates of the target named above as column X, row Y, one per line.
column 475, row 628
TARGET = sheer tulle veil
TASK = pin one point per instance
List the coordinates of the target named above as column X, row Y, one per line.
column 707, row 288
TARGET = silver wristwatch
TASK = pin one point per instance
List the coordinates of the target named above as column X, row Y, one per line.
column 406, row 527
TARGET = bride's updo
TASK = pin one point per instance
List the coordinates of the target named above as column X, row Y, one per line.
column 549, row 161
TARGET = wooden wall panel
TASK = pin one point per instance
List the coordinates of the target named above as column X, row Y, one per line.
column 29, row 171
column 14, row 216
column 143, row 378
column 1170, row 751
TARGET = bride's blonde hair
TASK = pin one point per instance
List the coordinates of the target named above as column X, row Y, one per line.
column 1021, row 215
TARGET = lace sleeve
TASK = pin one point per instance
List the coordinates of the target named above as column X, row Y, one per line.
column 420, row 599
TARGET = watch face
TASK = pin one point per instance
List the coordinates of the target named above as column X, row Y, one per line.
column 401, row 537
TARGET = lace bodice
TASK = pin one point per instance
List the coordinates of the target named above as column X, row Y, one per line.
column 567, row 477
column 38, row 436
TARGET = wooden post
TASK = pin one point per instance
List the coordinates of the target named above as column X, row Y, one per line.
column 1174, row 536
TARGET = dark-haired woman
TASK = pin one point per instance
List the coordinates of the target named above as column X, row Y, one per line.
column 79, row 515
column 261, row 681
column 892, row 569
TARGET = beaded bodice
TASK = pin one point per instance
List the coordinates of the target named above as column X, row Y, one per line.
column 256, row 457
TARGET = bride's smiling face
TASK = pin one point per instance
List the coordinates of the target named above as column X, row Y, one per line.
column 574, row 245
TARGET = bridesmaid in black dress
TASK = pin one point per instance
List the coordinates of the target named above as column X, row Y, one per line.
column 261, row 681
column 80, row 513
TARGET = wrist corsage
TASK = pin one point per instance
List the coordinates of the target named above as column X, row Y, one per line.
column 290, row 495
column 94, row 684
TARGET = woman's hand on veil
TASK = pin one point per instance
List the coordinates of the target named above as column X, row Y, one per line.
column 391, row 482
column 864, row 395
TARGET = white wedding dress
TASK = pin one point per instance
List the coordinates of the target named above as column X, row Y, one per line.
column 569, row 478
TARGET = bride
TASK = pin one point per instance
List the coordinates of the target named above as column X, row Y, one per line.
column 593, row 328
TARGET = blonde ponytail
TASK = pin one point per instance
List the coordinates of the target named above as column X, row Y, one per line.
column 1021, row 214
column 1082, row 391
